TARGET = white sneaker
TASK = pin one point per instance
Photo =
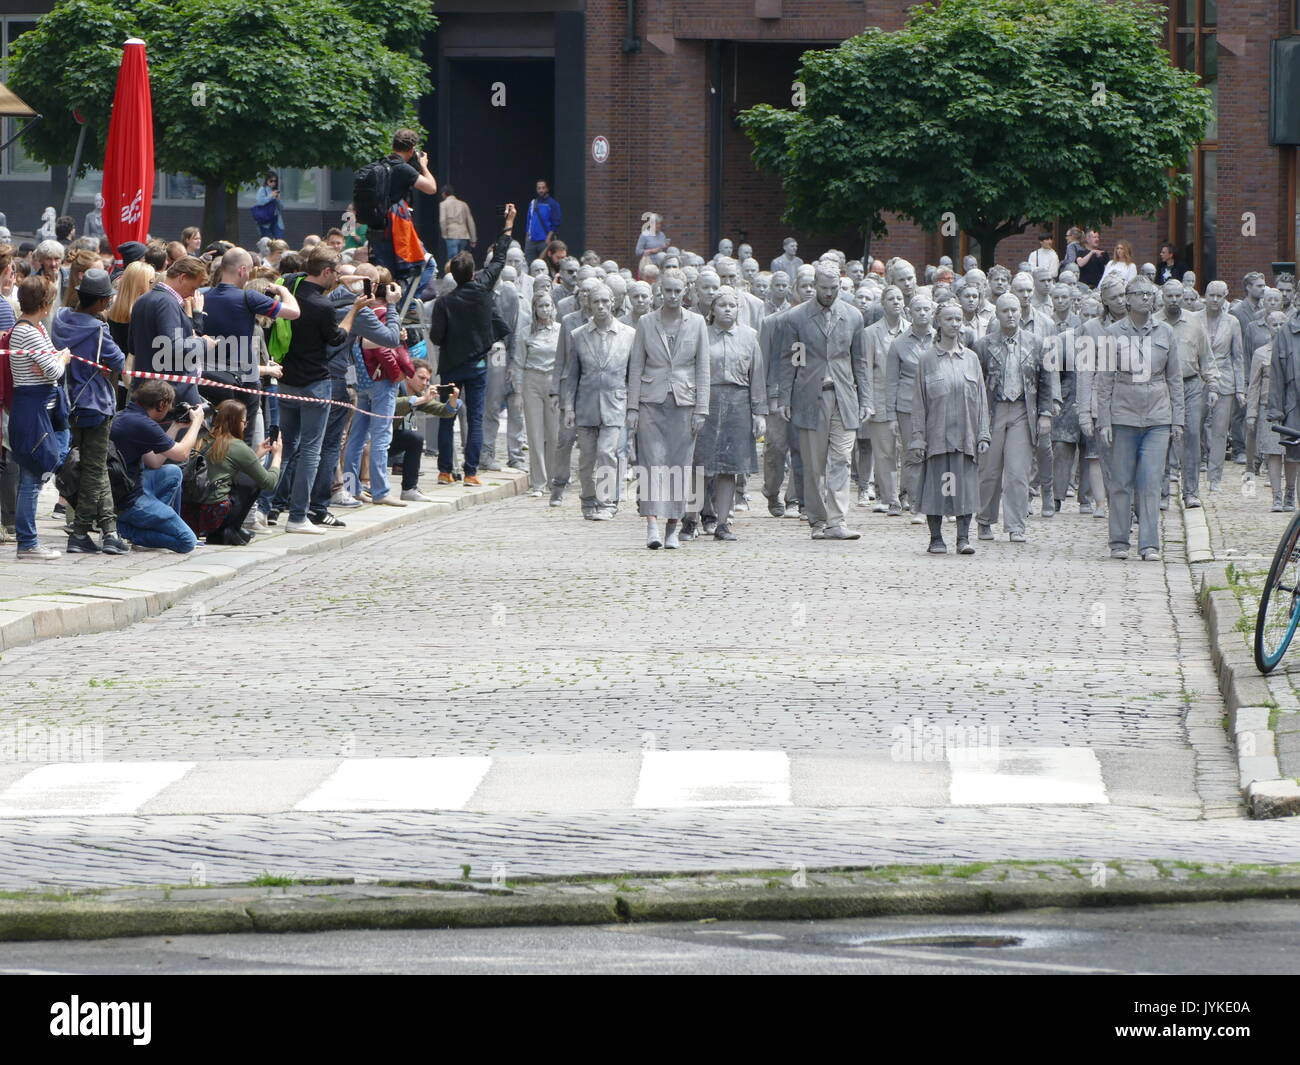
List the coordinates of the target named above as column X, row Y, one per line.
column 414, row 495
column 305, row 527
column 344, row 498
column 39, row 553
column 389, row 501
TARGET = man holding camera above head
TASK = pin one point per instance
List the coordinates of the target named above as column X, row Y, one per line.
column 408, row 170
column 151, row 513
column 464, row 326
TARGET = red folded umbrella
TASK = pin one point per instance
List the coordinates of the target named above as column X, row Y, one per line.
column 128, row 157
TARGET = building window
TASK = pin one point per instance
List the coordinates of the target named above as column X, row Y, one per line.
column 15, row 161
column 1194, row 46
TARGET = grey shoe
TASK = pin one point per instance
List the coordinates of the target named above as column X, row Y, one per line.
column 839, row 532
column 937, row 547
column 895, row 510
column 653, row 539
column 964, row 547
column 557, row 496
column 723, row 532
column 776, row 508
column 1278, row 506
column 1150, row 555
column 1016, row 537
column 1049, row 507
column 672, row 540
column 39, row 553
column 1119, row 553
column 985, row 532
column 687, row 532
column 1191, row 502
column 819, row 531
column 864, row 498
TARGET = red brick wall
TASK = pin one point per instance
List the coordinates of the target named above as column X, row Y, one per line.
column 654, row 109
column 1252, row 175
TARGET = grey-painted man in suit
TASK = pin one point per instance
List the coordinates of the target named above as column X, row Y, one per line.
column 595, row 401
column 506, row 299
column 826, row 393
column 878, row 430
column 781, row 441
column 567, row 437
column 1021, row 390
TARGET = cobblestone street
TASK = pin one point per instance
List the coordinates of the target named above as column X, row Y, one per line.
column 550, row 669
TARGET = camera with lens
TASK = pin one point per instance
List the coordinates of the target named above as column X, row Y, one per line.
column 180, row 412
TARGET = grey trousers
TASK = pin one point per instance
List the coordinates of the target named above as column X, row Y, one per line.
column 542, row 422
column 598, row 473
column 1219, row 421
column 826, row 454
column 911, row 465
column 884, row 460
column 862, row 461
column 1007, row 460
column 498, row 391
column 781, row 447
column 1065, row 454
column 1046, row 461
column 722, row 497
column 1188, row 459
column 561, row 468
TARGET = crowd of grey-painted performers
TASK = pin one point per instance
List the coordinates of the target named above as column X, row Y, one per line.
column 1094, row 380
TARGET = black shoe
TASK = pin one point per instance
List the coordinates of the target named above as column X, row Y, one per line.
column 272, row 516
column 112, row 544
column 722, row 532
column 82, row 544
column 59, row 510
column 327, row 519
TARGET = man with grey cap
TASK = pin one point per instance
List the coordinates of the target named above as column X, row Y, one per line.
column 90, row 390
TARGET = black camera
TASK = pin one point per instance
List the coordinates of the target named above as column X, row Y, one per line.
column 179, row 413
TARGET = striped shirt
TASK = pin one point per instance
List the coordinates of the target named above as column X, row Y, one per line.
column 31, row 365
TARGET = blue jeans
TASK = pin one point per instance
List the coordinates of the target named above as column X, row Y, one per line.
column 358, row 434
column 302, row 427
column 29, row 491
column 154, row 519
column 455, row 246
column 383, row 401
column 1137, row 466
column 329, row 450
column 472, row 380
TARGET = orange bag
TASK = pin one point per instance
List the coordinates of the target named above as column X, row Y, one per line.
column 406, row 241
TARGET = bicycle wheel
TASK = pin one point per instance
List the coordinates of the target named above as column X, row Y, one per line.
column 1279, row 604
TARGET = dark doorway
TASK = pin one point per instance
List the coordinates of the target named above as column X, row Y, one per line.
column 495, row 154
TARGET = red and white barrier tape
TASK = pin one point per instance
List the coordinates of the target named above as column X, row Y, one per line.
column 187, row 379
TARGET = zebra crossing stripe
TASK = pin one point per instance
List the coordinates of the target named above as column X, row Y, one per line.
column 89, row 789
column 399, row 784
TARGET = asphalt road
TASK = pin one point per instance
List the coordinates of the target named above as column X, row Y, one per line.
column 1201, row 939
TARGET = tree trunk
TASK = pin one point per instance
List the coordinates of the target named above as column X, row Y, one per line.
column 988, row 241
column 220, row 213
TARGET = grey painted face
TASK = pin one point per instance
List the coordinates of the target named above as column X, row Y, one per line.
column 760, row 286
column 725, row 309
column 1255, row 289
column 544, row 308
column 1022, row 288
column 922, row 311
column 804, row 288
column 970, row 299
column 1216, row 295
column 1008, row 314
column 642, row 298
column 780, row 285
column 950, row 323
column 1172, row 294
column 673, row 290
column 828, row 289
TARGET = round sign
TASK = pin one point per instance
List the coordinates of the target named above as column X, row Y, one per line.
column 600, row 149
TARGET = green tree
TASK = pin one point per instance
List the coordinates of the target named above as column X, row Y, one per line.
column 1003, row 112
column 239, row 86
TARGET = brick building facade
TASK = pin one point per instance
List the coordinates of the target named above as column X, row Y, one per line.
column 523, row 88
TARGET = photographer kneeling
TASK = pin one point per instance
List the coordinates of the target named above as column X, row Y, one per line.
column 151, row 515
column 220, row 516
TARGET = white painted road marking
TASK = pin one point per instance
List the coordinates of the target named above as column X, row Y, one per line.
column 399, row 784
column 713, row 778
column 89, row 789
column 1027, row 777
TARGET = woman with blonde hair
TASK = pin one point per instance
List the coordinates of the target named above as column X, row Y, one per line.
column 1121, row 264
column 78, row 262
column 134, row 282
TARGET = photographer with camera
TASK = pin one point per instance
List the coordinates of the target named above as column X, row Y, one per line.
column 464, row 326
column 371, row 323
column 151, row 513
column 408, row 171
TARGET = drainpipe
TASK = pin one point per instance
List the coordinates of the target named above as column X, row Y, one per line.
column 631, row 42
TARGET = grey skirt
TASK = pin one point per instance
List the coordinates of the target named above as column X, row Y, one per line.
column 665, row 450
column 726, row 443
column 950, row 484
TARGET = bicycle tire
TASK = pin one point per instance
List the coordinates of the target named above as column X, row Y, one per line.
column 1269, row 650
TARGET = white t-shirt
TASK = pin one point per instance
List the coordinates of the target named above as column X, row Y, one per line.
column 1045, row 259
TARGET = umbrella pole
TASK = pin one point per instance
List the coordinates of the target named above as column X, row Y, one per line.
column 21, row 132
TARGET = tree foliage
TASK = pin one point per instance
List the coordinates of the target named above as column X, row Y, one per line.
column 1002, row 112
column 239, row 86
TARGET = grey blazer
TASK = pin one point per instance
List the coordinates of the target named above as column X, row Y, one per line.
column 596, row 389
column 1042, row 385
column 653, row 373
column 837, row 355
column 568, row 324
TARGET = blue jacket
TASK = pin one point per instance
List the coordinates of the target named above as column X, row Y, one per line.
column 82, row 334
column 161, row 337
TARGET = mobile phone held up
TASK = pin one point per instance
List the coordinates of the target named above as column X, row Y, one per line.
column 367, row 288
column 273, row 434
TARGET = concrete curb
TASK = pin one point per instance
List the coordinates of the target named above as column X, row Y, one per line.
column 1245, row 693
column 101, row 607
column 80, row 919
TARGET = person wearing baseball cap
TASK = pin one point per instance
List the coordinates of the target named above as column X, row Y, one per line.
column 131, row 252
column 83, row 331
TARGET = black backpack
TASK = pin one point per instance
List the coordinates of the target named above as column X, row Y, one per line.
column 370, row 193
column 68, row 478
